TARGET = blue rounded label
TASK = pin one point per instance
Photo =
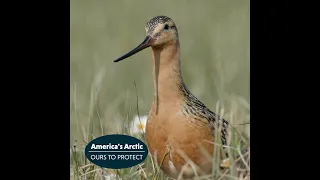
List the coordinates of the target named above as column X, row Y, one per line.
column 116, row 151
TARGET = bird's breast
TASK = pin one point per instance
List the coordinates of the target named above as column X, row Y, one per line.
column 174, row 138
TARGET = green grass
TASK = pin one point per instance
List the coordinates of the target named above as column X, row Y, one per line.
column 81, row 168
column 215, row 55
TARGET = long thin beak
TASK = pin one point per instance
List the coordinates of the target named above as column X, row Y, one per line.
column 146, row 43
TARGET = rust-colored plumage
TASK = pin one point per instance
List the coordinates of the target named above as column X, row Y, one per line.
column 179, row 126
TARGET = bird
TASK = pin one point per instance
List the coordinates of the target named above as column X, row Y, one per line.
column 179, row 126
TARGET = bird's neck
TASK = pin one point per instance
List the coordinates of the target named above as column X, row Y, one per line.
column 167, row 73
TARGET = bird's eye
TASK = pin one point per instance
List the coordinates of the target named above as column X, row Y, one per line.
column 166, row 27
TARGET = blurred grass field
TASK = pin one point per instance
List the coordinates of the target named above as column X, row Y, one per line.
column 215, row 55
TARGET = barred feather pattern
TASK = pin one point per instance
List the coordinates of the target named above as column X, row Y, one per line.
column 200, row 112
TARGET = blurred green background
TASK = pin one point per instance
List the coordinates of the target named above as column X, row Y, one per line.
column 215, row 54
